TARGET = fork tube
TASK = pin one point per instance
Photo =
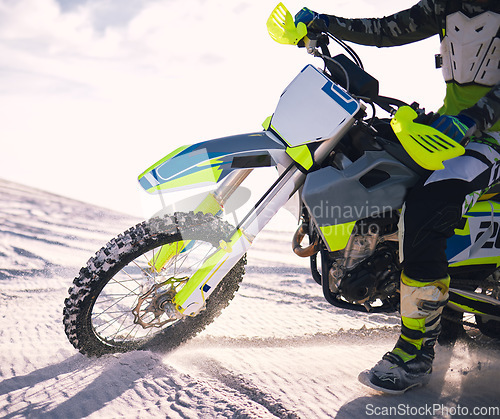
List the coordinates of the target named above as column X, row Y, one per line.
column 277, row 196
column 230, row 184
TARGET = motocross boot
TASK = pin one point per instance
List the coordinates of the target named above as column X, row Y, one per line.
column 409, row 364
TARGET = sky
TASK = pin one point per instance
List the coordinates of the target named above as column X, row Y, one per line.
column 93, row 92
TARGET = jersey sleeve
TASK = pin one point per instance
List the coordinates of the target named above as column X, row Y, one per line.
column 486, row 112
column 411, row 25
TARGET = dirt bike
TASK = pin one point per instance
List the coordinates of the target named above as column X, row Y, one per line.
column 161, row 282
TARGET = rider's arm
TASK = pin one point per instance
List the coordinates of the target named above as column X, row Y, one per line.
column 486, row 112
column 411, row 25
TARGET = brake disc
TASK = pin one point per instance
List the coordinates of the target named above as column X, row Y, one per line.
column 157, row 302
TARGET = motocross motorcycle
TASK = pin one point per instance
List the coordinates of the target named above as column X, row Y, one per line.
column 162, row 281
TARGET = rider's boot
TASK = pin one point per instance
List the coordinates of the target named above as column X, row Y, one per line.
column 409, row 364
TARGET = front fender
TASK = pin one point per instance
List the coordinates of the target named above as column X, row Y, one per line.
column 209, row 162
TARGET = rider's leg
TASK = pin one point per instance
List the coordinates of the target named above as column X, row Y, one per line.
column 431, row 214
column 421, row 305
column 409, row 364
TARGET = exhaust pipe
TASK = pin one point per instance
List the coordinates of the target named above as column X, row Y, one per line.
column 307, row 251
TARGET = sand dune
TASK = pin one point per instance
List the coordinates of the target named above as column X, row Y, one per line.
column 279, row 349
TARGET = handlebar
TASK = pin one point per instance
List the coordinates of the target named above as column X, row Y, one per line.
column 347, row 72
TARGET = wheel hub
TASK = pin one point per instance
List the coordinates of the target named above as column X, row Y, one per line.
column 158, row 302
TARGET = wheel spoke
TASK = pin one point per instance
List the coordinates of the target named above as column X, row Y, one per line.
column 113, row 314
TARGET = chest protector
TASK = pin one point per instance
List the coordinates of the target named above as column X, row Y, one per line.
column 471, row 49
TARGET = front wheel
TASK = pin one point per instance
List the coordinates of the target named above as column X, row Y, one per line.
column 118, row 301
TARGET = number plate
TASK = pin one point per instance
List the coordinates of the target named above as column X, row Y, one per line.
column 312, row 108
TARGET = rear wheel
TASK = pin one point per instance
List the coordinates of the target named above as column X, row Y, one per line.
column 468, row 326
column 489, row 327
column 121, row 302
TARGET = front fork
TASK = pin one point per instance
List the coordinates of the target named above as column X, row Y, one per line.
column 192, row 297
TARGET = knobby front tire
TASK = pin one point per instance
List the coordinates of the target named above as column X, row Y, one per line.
column 115, row 303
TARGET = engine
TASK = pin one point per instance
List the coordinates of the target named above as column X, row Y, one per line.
column 369, row 268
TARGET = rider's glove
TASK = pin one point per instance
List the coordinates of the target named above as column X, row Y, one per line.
column 315, row 21
column 456, row 127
